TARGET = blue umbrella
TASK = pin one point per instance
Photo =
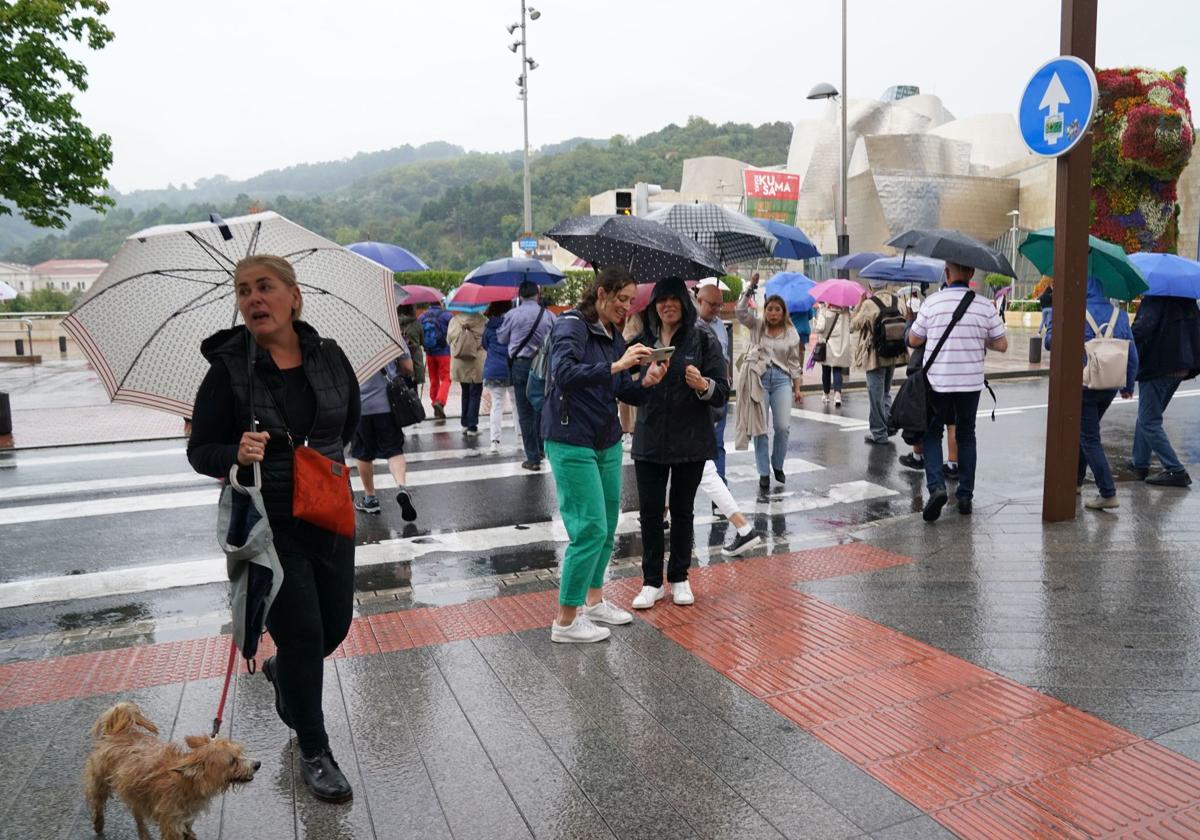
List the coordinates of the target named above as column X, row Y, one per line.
column 855, row 262
column 793, row 243
column 910, row 269
column 793, row 288
column 1169, row 275
column 391, row 256
column 512, row 271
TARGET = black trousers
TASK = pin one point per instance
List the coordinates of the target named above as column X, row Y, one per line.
column 309, row 619
column 652, row 495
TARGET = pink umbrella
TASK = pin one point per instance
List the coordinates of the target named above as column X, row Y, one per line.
column 472, row 294
column 642, row 299
column 838, row 292
column 419, row 294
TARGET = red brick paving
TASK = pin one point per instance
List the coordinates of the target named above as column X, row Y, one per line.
column 984, row 756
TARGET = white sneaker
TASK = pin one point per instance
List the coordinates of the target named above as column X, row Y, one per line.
column 837, row 399
column 579, row 631
column 646, row 598
column 681, row 593
column 495, row 447
column 824, row 399
column 1099, row 502
column 606, row 613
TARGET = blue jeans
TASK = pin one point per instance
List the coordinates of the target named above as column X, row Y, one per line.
column 879, row 392
column 1149, row 437
column 958, row 409
column 1091, row 450
column 834, row 373
column 719, row 428
column 777, row 392
column 472, row 393
column 528, row 417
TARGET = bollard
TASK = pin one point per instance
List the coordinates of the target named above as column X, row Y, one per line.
column 5, row 415
column 1035, row 349
column 21, row 347
column 62, row 344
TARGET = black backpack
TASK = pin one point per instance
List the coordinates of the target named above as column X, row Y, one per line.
column 887, row 334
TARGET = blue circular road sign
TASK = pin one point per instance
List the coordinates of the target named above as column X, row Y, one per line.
column 1058, row 105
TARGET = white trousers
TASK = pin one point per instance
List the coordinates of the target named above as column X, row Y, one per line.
column 717, row 492
column 496, row 416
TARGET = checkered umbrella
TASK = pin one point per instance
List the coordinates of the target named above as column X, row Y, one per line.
column 649, row 250
column 170, row 287
column 733, row 237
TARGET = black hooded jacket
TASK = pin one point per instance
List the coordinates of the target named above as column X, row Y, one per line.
column 318, row 403
column 674, row 424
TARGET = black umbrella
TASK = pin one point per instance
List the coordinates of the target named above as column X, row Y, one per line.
column 953, row 246
column 649, row 250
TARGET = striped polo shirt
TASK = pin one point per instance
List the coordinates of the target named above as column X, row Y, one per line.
column 959, row 364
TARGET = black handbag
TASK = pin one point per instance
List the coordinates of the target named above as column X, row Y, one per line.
column 910, row 408
column 820, row 353
column 404, row 401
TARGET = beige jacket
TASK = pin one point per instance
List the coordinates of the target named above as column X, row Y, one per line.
column 750, row 419
column 862, row 322
column 783, row 351
column 838, row 338
column 465, row 337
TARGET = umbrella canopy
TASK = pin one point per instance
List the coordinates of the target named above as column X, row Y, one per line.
column 733, row 237
column 414, row 293
column 512, row 271
column 642, row 299
column 650, row 251
column 255, row 573
column 1108, row 263
column 471, row 294
column 953, row 246
column 794, row 288
column 1169, row 275
column 170, row 287
column 855, row 262
column 7, row 292
column 912, row 269
column 838, row 292
column 793, row 243
column 393, row 256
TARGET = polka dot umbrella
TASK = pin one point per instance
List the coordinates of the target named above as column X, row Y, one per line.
column 649, row 251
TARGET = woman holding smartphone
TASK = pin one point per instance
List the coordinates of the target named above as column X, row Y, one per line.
column 674, row 435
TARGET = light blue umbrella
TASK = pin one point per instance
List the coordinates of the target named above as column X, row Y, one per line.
column 393, row 256
column 910, row 269
column 512, row 271
column 855, row 262
column 1169, row 275
column 793, row 243
column 793, row 287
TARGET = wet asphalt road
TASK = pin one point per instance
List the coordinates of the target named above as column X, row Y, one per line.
column 70, row 515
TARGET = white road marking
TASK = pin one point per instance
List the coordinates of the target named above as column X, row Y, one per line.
column 21, row 460
column 212, row 570
column 820, row 417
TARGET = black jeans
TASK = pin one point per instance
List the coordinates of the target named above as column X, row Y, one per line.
column 472, row 393
column 957, row 409
column 652, row 494
column 309, row 619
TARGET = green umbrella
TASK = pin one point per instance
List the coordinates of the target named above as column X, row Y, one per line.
column 1107, row 262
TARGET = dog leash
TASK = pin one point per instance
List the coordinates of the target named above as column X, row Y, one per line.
column 225, row 691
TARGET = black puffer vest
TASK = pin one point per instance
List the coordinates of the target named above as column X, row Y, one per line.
column 324, row 367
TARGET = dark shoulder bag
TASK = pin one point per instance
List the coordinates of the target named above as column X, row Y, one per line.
column 404, row 401
column 820, row 353
column 910, row 408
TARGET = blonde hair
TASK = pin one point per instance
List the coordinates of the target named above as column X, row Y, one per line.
column 277, row 266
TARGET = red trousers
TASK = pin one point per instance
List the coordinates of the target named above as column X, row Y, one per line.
column 438, row 368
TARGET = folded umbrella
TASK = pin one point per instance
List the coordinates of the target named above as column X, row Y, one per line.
column 413, row 293
column 255, row 573
column 393, row 256
column 1169, row 275
column 838, row 292
column 472, row 294
column 733, row 237
column 513, row 271
column 910, row 269
column 1107, row 262
column 855, row 262
column 953, row 246
column 648, row 250
column 792, row 244
column 794, row 288
column 170, row 287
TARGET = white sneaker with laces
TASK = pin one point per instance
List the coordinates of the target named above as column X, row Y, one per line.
column 837, row 399
column 646, row 598
column 681, row 593
column 606, row 613
column 579, row 631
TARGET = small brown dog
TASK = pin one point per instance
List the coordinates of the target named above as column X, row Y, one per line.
column 158, row 780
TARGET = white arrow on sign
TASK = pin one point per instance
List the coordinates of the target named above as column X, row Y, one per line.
column 1054, row 98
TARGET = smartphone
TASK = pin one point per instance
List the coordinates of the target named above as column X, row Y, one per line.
column 662, row 354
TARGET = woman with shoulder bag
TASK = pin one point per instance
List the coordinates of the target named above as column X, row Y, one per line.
column 834, row 350
column 300, row 387
column 465, row 337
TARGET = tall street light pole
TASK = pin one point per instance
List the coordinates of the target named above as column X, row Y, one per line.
column 527, row 65
column 824, row 90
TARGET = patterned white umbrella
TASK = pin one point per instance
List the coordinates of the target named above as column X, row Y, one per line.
column 171, row 286
column 734, row 237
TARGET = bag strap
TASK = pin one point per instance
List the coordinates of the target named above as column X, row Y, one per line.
column 884, row 310
column 529, row 335
column 1112, row 322
column 832, row 326
column 251, row 351
column 959, row 311
column 1092, row 323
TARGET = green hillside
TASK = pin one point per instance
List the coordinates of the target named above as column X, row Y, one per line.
column 456, row 212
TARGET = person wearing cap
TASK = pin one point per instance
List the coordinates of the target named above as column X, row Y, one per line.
column 523, row 330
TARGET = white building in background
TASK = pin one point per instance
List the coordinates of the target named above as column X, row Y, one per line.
column 64, row 276
column 19, row 277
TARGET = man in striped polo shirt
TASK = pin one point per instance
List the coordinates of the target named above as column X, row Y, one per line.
column 956, row 380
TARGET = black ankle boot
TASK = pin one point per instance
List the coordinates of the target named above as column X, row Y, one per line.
column 324, row 778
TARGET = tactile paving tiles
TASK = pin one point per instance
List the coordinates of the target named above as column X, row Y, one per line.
column 984, row 756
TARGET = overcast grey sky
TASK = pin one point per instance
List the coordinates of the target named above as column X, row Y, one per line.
column 192, row 89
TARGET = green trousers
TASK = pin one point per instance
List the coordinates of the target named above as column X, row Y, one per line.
column 588, row 483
